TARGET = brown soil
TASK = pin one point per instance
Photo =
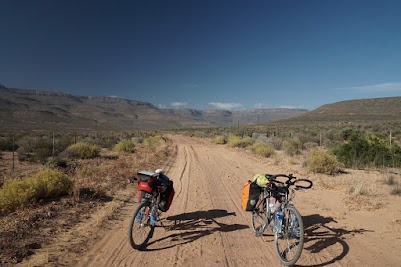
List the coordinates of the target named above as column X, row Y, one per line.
column 206, row 226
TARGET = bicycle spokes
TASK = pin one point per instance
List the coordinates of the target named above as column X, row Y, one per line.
column 258, row 221
column 289, row 243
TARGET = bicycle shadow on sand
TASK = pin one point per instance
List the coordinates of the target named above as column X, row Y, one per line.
column 320, row 236
column 188, row 227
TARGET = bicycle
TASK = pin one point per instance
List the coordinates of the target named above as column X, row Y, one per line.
column 150, row 207
column 275, row 210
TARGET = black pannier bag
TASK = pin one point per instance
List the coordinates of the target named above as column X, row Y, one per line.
column 166, row 197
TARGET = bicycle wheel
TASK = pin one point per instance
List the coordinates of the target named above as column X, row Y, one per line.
column 289, row 243
column 258, row 218
column 140, row 230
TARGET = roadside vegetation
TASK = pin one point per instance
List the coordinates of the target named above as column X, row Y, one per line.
column 45, row 184
column 125, row 146
column 323, row 147
column 59, row 180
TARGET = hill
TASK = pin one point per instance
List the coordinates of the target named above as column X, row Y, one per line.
column 38, row 109
column 361, row 110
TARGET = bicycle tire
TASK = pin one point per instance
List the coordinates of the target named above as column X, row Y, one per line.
column 258, row 218
column 139, row 232
column 290, row 242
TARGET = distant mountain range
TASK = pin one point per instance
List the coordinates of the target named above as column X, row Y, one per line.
column 361, row 110
column 38, row 109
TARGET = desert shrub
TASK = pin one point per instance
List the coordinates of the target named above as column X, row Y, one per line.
column 153, row 141
column 137, row 140
column 42, row 185
column 34, row 148
column 320, row 161
column 200, row 134
column 236, row 141
column 262, row 149
column 220, row 140
column 69, row 154
column 56, row 163
column 85, row 150
column 350, row 134
column 125, row 146
column 363, row 151
column 396, row 190
column 390, row 180
column 311, row 145
column 292, row 146
column 275, row 142
column 233, row 140
column 361, row 189
column 6, row 143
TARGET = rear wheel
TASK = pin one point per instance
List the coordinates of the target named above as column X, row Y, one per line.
column 289, row 243
column 258, row 218
column 140, row 230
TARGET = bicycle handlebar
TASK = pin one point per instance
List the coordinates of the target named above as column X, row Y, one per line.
column 272, row 178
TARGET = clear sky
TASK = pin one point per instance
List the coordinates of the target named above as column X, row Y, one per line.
column 205, row 54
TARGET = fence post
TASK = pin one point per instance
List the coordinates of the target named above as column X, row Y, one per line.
column 53, row 145
column 13, row 151
column 320, row 139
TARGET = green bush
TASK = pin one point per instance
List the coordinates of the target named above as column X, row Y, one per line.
column 125, row 146
column 31, row 148
column 43, row 185
column 236, row 141
column 153, row 141
column 363, row 151
column 320, row 161
column 6, row 143
column 262, row 149
column 292, row 146
column 85, row 150
column 220, row 140
column 56, row 163
column 350, row 134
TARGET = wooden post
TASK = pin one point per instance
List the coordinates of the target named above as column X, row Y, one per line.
column 53, row 145
column 390, row 138
column 320, row 139
column 75, row 137
column 13, row 151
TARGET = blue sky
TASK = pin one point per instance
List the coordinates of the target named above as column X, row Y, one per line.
column 205, row 54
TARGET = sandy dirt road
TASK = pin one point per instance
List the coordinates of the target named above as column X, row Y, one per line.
column 206, row 226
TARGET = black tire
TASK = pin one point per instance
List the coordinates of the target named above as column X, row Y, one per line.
column 258, row 218
column 290, row 242
column 139, row 232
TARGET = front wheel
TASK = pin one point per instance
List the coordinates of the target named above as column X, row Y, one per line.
column 289, row 241
column 140, row 230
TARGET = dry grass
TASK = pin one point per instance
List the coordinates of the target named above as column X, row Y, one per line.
column 391, row 180
column 396, row 190
column 361, row 188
